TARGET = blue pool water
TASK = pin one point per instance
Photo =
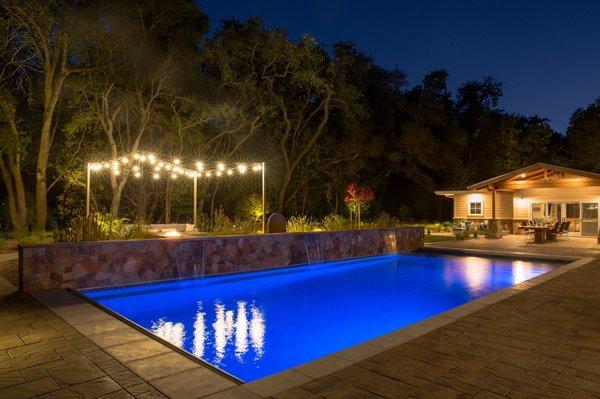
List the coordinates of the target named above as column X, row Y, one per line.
column 255, row 324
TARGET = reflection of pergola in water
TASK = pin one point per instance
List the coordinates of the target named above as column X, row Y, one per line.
column 138, row 162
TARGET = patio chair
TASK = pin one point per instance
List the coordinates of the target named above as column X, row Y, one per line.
column 553, row 233
column 528, row 234
column 563, row 234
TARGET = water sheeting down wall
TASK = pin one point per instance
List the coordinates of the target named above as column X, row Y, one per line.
column 111, row 263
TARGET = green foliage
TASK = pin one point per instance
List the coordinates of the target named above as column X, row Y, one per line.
column 302, row 223
column 334, row 222
column 250, row 207
column 96, row 227
column 459, row 235
column 35, row 237
column 321, row 118
column 383, row 221
column 462, row 235
column 445, row 227
column 436, row 238
column 224, row 225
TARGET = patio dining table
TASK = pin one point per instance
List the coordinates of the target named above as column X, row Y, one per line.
column 540, row 233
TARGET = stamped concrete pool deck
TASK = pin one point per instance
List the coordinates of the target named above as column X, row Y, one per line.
column 540, row 338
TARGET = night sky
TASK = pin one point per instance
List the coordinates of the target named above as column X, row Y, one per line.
column 547, row 53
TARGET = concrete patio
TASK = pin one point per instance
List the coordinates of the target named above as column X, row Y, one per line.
column 533, row 341
column 573, row 247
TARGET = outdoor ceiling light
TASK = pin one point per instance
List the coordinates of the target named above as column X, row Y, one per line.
column 199, row 165
column 156, row 176
column 137, row 174
column 242, row 168
column 221, row 166
column 174, row 176
column 218, row 173
column 208, row 174
column 176, row 161
column 136, row 168
column 229, row 172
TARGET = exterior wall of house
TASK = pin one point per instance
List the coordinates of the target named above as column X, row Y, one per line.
column 524, row 198
column 504, row 205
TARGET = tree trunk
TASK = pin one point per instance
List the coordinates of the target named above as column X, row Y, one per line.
column 17, row 207
column 283, row 191
column 41, row 202
column 53, row 87
column 115, row 201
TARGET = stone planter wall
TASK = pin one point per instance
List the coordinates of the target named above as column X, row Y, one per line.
column 108, row 263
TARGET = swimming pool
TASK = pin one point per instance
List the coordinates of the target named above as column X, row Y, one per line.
column 255, row 324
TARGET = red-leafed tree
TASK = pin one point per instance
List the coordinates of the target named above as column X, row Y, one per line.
column 357, row 199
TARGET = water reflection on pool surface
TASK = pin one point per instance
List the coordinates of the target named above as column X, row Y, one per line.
column 255, row 324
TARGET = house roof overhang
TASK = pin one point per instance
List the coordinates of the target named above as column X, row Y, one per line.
column 536, row 174
column 539, row 175
column 451, row 193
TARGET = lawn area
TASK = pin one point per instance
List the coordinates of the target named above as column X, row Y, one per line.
column 438, row 238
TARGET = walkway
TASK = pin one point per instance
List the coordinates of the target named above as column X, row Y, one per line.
column 43, row 356
column 542, row 343
column 574, row 247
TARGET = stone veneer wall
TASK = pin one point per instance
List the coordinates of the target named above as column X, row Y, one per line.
column 108, row 263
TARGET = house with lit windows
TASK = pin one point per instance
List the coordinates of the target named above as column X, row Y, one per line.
column 537, row 192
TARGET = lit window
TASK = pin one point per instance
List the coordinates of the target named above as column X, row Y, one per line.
column 476, row 208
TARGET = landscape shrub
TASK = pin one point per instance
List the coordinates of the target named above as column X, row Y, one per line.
column 334, row 222
column 445, row 227
column 301, row 223
column 96, row 227
column 250, row 207
column 384, row 220
column 224, row 225
column 462, row 235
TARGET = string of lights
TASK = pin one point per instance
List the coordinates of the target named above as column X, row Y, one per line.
column 173, row 169
column 137, row 162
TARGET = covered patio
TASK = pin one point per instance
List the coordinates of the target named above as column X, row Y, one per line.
column 538, row 195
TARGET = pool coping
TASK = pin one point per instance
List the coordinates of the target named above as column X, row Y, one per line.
column 296, row 376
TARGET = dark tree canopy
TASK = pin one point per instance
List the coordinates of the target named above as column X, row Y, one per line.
column 89, row 80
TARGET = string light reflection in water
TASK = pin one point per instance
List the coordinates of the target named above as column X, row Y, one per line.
column 255, row 324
